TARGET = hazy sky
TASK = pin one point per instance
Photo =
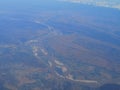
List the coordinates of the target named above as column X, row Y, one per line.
column 25, row 5
column 10, row 5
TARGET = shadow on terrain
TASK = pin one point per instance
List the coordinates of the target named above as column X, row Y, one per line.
column 110, row 87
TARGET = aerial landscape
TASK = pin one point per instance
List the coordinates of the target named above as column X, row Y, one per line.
column 60, row 45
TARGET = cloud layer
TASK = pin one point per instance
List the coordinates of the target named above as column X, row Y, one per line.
column 104, row 3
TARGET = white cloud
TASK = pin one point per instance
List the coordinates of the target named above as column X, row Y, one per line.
column 104, row 3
